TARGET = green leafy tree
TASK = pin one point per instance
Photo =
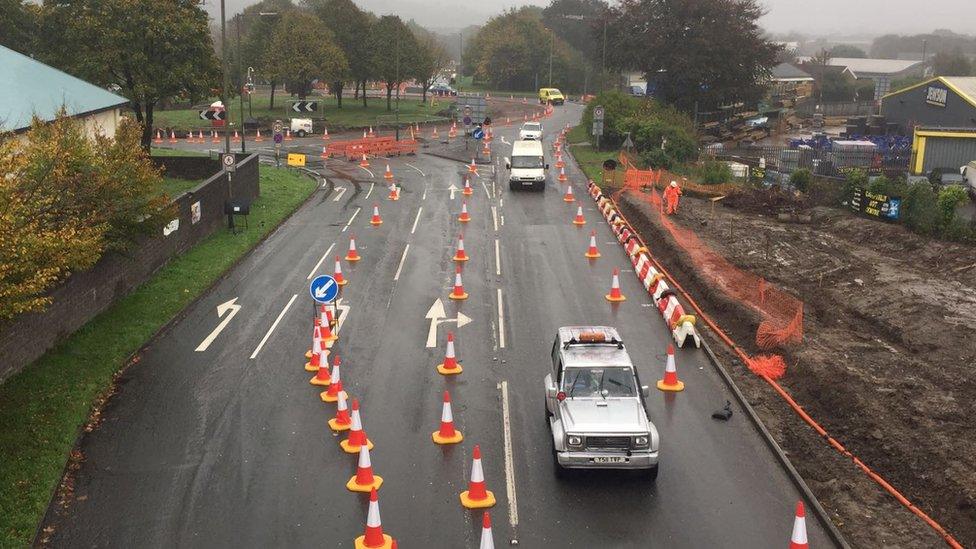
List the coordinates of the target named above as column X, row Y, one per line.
column 431, row 59
column 707, row 53
column 350, row 28
column 393, row 49
column 951, row 64
column 950, row 198
column 579, row 23
column 846, row 50
column 801, row 179
column 18, row 25
column 148, row 50
column 257, row 25
column 299, row 62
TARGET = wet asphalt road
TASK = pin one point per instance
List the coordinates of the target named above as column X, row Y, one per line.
column 230, row 446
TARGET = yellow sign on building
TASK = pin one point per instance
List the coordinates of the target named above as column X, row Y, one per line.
column 295, row 159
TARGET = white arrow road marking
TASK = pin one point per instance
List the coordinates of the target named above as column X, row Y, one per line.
column 509, row 457
column 320, row 293
column 453, row 190
column 437, row 316
column 505, row 142
column 354, row 214
column 339, row 192
column 230, row 306
column 273, row 326
column 319, row 264
column 487, row 192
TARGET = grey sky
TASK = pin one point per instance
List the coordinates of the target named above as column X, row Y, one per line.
column 822, row 17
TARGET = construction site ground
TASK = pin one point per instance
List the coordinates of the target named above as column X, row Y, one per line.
column 886, row 364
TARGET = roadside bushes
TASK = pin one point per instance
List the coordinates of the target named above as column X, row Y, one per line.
column 800, row 179
column 714, row 172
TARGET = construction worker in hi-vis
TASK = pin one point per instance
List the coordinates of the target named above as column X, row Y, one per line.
column 671, row 194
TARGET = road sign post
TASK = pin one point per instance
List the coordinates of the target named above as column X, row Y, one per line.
column 277, row 127
column 304, row 106
column 598, row 117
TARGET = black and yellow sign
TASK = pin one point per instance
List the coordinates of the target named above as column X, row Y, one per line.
column 295, row 159
column 875, row 204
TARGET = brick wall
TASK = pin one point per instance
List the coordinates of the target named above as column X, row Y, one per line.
column 84, row 295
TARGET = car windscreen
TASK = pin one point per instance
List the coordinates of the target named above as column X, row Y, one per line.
column 532, row 127
column 527, row 162
column 592, row 382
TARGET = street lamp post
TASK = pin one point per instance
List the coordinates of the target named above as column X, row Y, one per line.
column 240, row 69
column 603, row 62
column 552, row 39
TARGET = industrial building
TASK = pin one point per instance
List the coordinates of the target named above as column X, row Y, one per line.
column 945, row 101
column 942, row 149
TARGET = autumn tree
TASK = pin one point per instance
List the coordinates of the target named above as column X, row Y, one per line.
column 393, row 50
column 299, row 62
column 257, row 24
column 350, row 28
column 148, row 50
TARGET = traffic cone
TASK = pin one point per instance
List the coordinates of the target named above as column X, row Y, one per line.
column 394, row 192
column 458, row 292
column 159, row 137
column 464, row 217
column 568, row 197
column 477, row 496
column 335, row 387
column 376, row 219
column 357, row 436
column 799, row 538
column 340, row 280
column 467, row 191
column 341, row 421
column 486, row 150
column 389, row 173
column 322, row 377
column 615, row 295
column 374, row 538
column 364, row 134
column 447, row 434
column 562, row 175
column 325, row 134
column 592, row 252
column 579, row 219
column 559, row 157
column 434, row 134
column 450, row 365
column 364, row 480
column 288, row 136
column 487, row 541
column 472, row 167
column 460, row 255
column 237, row 137
column 328, row 336
column 189, row 137
column 670, row 381
column 371, row 134
column 200, row 138
column 215, row 137
column 325, row 152
column 353, row 254
column 258, row 138
column 364, row 163
column 313, row 354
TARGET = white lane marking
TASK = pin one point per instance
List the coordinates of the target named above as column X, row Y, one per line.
column 501, row 321
column 498, row 258
column 416, row 219
column 509, row 458
column 354, row 214
column 319, row 264
column 367, row 171
column 494, row 217
column 503, row 221
column 501, row 202
column 339, row 192
column 424, row 196
column 273, row 326
column 324, row 182
column 231, row 306
column 402, row 259
column 370, row 191
column 505, row 142
column 453, row 190
column 487, row 192
column 416, row 168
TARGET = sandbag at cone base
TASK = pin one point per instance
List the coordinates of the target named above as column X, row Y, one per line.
column 322, row 378
column 373, row 537
column 615, row 296
column 357, row 436
column 364, row 480
column 341, row 421
column 670, row 381
column 447, row 434
column 450, row 365
column 477, row 496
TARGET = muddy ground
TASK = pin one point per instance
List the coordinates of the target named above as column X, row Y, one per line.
column 886, row 365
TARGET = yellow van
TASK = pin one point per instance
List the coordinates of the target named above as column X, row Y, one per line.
column 551, row 95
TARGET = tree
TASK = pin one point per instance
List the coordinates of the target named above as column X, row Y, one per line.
column 18, row 21
column 845, row 50
column 350, row 27
column 575, row 21
column 951, row 64
column 393, row 50
column 299, row 62
column 256, row 31
column 837, row 86
column 431, row 59
column 707, row 53
column 149, row 50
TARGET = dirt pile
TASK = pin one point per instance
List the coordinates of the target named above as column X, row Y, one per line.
column 886, row 365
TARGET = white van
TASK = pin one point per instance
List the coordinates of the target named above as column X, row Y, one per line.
column 527, row 166
column 301, row 126
column 969, row 178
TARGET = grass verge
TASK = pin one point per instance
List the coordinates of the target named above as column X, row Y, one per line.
column 591, row 161
column 173, row 187
column 160, row 151
column 43, row 406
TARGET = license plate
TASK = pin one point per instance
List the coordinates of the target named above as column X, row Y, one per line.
column 527, row 183
column 609, row 460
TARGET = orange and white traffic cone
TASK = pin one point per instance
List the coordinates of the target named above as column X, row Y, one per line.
column 394, row 192
column 486, row 150
column 353, row 254
column 559, row 157
column 341, row 421
column 371, row 134
column 568, row 197
column 799, row 538
column 200, row 138
column 322, row 377
column 328, row 336
column 313, row 355
column 458, row 292
column 460, row 254
column 670, row 381
column 434, row 134
column 340, row 280
column 388, row 174
column 467, row 191
column 214, row 137
column 189, row 137
column 172, row 136
column 237, row 137
column 357, row 436
column 450, row 365
column 364, row 480
column 477, row 496
column 487, row 541
column 159, row 137
column 325, row 134
column 325, row 152
column 592, row 252
column 335, row 387
column 364, row 134
column 288, row 136
column 447, row 434
column 258, row 138
column 376, row 219
column 374, row 538
column 464, row 217
column 562, row 175
column 364, row 163
column 472, row 167
column 615, row 295
column 579, row 220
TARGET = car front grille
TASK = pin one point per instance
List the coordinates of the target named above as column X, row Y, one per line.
column 607, row 443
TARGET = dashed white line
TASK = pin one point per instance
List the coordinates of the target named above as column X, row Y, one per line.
column 354, row 214
column 370, row 191
column 509, row 458
column 422, row 174
column 503, row 221
column 424, row 196
column 501, row 321
column 319, row 264
column 494, row 217
column 273, row 326
column 416, row 219
column 400, row 266
column 367, row 171
column 498, row 258
column 487, row 192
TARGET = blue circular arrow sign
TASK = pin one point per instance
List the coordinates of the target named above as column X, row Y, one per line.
column 478, row 133
column 323, row 289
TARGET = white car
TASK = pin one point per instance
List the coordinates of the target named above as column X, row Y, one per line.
column 531, row 131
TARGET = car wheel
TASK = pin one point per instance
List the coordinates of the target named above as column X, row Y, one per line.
column 560, row 471
column 541, row 186
column 651, row 474
column 302, row 133
column 512, row 186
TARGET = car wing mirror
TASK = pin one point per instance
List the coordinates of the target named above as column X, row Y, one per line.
column 547, row 166
column 645, row 390
column 508, row 163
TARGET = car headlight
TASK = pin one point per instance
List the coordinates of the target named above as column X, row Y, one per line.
column 641, row 441
column 540, row 178
column 574, row 440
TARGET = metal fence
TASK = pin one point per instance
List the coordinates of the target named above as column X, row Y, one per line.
column 808, row 107
column 828, row 163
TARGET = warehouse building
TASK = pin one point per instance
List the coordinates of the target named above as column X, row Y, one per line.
column 945, row 101
column 942, row 149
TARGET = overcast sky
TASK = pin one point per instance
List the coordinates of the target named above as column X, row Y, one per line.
column 871, row 17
